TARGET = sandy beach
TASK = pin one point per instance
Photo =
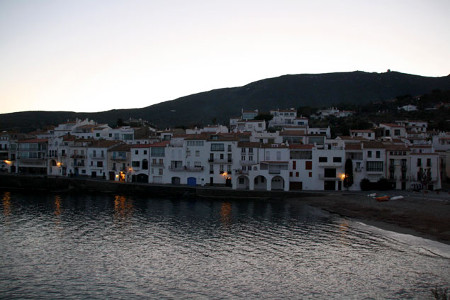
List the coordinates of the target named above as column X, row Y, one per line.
column 425, row 215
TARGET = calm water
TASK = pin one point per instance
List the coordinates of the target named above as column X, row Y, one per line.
column 106, row 246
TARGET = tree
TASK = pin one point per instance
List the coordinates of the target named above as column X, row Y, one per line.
column 348, row 179
column 264, row 116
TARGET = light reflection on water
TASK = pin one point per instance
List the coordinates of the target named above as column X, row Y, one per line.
column 102, row 246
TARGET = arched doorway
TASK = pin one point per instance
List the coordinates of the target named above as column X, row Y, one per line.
column 260, row 183
column 277, row 183
column 143, row 178
column 243, row 183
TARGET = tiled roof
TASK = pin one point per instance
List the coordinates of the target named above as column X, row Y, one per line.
column 33, row 141
column 301, row 146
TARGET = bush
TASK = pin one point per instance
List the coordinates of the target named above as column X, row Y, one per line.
column 365, row 184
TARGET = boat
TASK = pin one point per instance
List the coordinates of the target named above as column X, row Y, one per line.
column 396, row 198
column 382, row 198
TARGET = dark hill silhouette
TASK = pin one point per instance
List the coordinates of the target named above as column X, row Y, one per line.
column 286, row 91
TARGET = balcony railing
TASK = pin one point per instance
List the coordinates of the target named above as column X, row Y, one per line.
column 323, row 177
column 330, row 164
column 220, row 161
column 79, row 164
column 119, row 158
column 194, row 169
column 248, row 162
column 177, row 168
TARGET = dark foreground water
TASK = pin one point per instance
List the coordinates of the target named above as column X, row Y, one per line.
column 106, row 246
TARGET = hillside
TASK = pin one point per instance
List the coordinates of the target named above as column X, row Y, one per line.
column 316, row 90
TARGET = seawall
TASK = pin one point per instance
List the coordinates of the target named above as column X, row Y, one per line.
column 66, row 184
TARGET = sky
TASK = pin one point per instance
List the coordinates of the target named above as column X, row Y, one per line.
column 97, row 55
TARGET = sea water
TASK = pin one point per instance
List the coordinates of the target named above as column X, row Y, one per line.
column 102, row 246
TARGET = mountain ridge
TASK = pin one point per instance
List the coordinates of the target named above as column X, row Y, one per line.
column 285, row 91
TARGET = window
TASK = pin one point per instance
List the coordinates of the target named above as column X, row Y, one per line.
column 377, row 154
column 428, row 162
column 145, row 152
column 250, row 158
column 135, row 164
column 419, row 162
column 243, row 157
column 229, row 148
column 243, row 150
column 296, row 174
column 278, row 155
column 160, row 171
column 97, row 134
column 157, row 151
column 145, row 164
column 197, row 153
column 369, row 153
column 188, row 153
column 308, row 165
column 217, row 147
column 337, row 159
column 136, row 152
column 290, row 174
column 330, row 173
column 323, row 159
column 250, row 150
column 310, row 174
column 374, row 166
column 100, row 164
column 397, row 132
column 195, row 143
column 221, row 156
column 94, row 154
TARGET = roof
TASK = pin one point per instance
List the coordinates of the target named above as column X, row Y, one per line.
column 353, row 146
column 372, row 144
column 159, row 144
column 103, row 143
column 248, row 144
column 362, row 130
column 392, row 125
column 293, row 133
column 396, row 147
column 301, row 146
column 33, row 141
column 121, row 147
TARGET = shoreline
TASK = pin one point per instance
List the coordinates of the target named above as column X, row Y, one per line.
column 425, row 218
column 419, row 215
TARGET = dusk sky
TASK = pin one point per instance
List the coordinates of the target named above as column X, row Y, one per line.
column 99, row 55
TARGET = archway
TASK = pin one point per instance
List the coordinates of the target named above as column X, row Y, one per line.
column 243, row 183
column 277, row 183
column 260, row 183
column 176, row 180
column 143, row 178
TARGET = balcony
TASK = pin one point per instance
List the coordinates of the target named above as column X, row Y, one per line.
column 77, row 156
column 158, row 165
column 96, row 157
column 194, row 169
column 78, row 164
column 323, row 177
column 119, row 158
column 330, row 164
column 177, row 168
column 247, row 162
column 242, row 172
column 220, row 161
